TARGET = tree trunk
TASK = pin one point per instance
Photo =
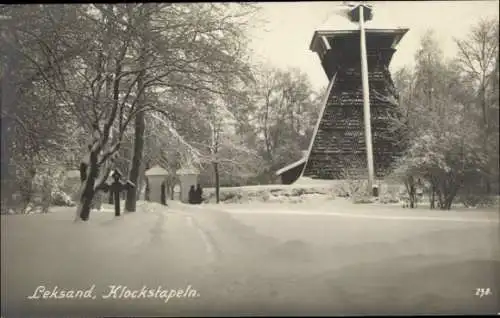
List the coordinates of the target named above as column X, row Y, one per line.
column 130, row 204
column 452, row 193
column 446, row 186
column 26, row 188
column 115, row 188
column 444, row 191
column 171, row 190
column 140, row 181
column 448, row 200
column 410, row 188
column 147, row 191
column 140, row 126
column 46, row 196
column 432, row 197
column 87, row 191
column 84, row 206
column 413, row 194
column 441, row 199
column 433, row 192
column 217, row 182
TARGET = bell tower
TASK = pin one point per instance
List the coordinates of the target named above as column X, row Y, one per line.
column 338, row 140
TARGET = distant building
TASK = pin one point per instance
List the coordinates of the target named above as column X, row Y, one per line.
column 156, row 180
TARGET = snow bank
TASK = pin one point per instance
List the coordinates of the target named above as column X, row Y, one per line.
column 270, row 193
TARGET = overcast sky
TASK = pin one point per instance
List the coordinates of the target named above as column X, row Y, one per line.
column 290, row 27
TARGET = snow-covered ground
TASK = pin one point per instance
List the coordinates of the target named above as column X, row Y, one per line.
column 318, row 257
column 312, row 204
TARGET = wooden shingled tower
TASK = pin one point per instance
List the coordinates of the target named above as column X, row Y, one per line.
column 338, row 141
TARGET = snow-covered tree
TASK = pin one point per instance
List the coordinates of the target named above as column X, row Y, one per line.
column 443, row 148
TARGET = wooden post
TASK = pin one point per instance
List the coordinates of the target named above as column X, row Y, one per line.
column 366, row 101
column 116, row 188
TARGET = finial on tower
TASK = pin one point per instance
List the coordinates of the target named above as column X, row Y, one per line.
column 354, row 15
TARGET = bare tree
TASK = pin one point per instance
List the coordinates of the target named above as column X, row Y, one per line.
column 478, row 61
column 203, row 47
column 286, row 111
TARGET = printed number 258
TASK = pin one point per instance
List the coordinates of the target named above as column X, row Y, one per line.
column 483, row 292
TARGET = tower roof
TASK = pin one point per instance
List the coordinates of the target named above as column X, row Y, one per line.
column 317, row 42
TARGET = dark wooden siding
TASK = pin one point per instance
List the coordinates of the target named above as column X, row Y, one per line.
column 340, row 142
column 291, row 175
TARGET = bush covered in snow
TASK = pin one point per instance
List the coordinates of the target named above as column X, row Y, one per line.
column 363, row 199
column 36, row 187
column 389, row 199
column 389, row 195
column 472, row 200
column 39, row 188
column 280, row 194
column 354, row 190
column 60, row 198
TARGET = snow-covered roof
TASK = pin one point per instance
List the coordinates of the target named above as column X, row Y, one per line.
column 338, row 23
column 337, row 19
column 328, row 33
column 156, row 171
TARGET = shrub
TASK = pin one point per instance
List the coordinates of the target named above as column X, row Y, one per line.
column 299, row 191
column 388, row 199
column 224, row 196
column 472, row 200
column 350, row 188
column 232, row 197
column 264, row 195
column 60, row 198
column 48, row 181
column 362, row 199
column 389, row 195
column 35, row 186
